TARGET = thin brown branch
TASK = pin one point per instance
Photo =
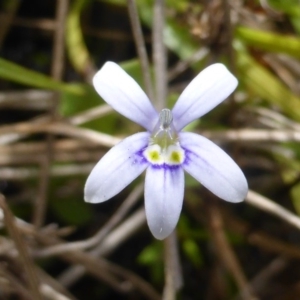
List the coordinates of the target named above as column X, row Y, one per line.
column 62, row 145
column 59, row 37
column 159, row 55
column 260, row 239
column 225, row 252
column 274, row 120
column 56, row 171
column 183, row 65
column 273, row 208
column 15, row 284
column 173, row 273
column 253, row 135
column 78, row 156
column 142, row 285
column 27, row 99
column 51, row 293
column 119, row 235
column 276, row 266
column 100, row 235
column 39, row 23
column 100, row 268
column 63, row 129
column 105, row 271
column 28, row 265
column 90, row 114
column 6, row 19
column 78, row 119
column 50, row 25
column 53, row 289
column 229, row 36
column 56, row 72
column 140, row 46
column 64, row 150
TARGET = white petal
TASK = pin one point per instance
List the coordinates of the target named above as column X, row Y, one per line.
column 212, row 86
column 121, row 91
column 117, row 168
column 213, row 168
column 164, row 188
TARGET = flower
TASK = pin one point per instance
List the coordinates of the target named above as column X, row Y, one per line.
column 164, row 150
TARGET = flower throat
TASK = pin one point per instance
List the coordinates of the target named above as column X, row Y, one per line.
column 164, row 133
column 164, row 148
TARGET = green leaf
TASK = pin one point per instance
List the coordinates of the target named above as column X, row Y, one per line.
column 296, row 23
column 268, row 41
column 289, row 169
column 178, row 39
column 295, row 194
column 71, row 104
column 290, row 7
column 261, row 82
column 151, row 256
column 192, row 251
column 13, row 72
column 76, row 48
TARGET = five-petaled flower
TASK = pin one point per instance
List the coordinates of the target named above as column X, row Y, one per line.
column 164, row 150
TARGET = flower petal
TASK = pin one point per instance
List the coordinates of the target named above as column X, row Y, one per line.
column 117, row 168
column 164, row 188
column 213, row 168
column 121, row 91
column 212, row 86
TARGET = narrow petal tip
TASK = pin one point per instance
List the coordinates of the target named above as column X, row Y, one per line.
column 241, row 190
column 207, row 90
column 116, row 169
column 91, row 199
column 123, row 93
column 160, row 234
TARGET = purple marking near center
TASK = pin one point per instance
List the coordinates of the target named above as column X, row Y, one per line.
column 164, row 166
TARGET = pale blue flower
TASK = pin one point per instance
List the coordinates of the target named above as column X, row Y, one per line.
column 164, row 151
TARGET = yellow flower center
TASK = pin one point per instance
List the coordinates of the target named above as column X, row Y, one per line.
column 175, row 157
column 171, row 155
column 154, row 155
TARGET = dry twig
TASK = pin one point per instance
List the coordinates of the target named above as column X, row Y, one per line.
column 140, row 46
column 225, row 252
column 273, row 208
column 28, row 265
